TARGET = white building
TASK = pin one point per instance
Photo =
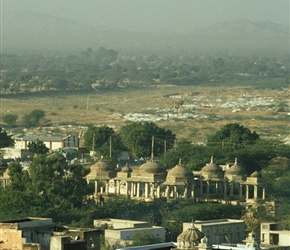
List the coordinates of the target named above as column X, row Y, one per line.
column 220, row 231
column 273, row 234
column 120, row 231
column 51, row 142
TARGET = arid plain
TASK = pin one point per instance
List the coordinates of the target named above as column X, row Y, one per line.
column 191, row 112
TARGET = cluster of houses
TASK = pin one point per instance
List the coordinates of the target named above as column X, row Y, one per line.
column 41, row 234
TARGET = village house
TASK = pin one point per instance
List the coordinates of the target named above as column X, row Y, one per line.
column 192, row 238
column 119, row 232
column 272, row 233
column 33, row 233
column 220, row 231
column 51, row 142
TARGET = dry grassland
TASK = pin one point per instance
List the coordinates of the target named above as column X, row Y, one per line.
column 109, row 107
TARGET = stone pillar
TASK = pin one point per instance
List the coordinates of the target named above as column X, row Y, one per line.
column 127, row 189
column 115, row 187
column 241, row 191
column 138, row 189
column 146, row 190
column 174, row 192
column 119, row 187
column 192, row 193
column 185, row 192
column 263, row 193
column 132, row 189
column 255, row 191
column 167, row 191
column 247, row 192
column 96, row 187
column 107, row 187
column 151, row 185
column 158, row 191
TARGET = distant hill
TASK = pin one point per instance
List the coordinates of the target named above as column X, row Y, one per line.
column 246, row 26
column 30, row 30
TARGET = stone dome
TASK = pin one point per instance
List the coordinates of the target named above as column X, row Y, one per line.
column 180, row 171
column 236, row 169
column 190, row 237
column 152, row 167
column 126, row 169
column 256, row 174
column 212, row 170
column 102, row 165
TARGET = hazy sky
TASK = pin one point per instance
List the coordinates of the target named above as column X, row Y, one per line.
column 148, row 15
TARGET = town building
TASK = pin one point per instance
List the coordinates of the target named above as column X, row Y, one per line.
column 51, row 142
column 191, row 238
column 118, row 232
column 75, row 239
column 28, row 233
column 220, row 231
column 273, row 234
column 33, row 233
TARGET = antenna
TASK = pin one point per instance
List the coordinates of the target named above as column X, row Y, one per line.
column 152, row 154
column 110, row 146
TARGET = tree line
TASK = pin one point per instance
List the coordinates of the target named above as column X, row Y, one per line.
column 106, row 68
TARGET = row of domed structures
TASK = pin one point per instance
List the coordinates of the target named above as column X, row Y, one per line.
column 152, row 181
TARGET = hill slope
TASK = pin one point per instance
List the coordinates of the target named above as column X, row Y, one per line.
column 30, row 30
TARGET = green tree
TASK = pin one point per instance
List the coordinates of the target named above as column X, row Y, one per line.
column 137, row 137
column 5, row 140
column 33, row 118
column 53, row 179
column 96, row 137
column 192, row 156
column 61, row 83
column 256, row 157
column 10, row 119
column 232, row 136
column 37, row 147
column 106, row 56
column 144, row 239
column 18, row 178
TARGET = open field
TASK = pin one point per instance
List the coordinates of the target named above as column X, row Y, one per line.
column 204, row 109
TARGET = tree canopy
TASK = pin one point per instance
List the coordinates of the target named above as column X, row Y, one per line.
column 33, row 118
column 5, row 140
column 10, row 119
column 232, row 136
column 137, row 137
column 37, row 147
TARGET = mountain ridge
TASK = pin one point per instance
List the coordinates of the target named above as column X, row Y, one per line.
column 32, row 30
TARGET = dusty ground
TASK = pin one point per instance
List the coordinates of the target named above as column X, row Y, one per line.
column 204, row 109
